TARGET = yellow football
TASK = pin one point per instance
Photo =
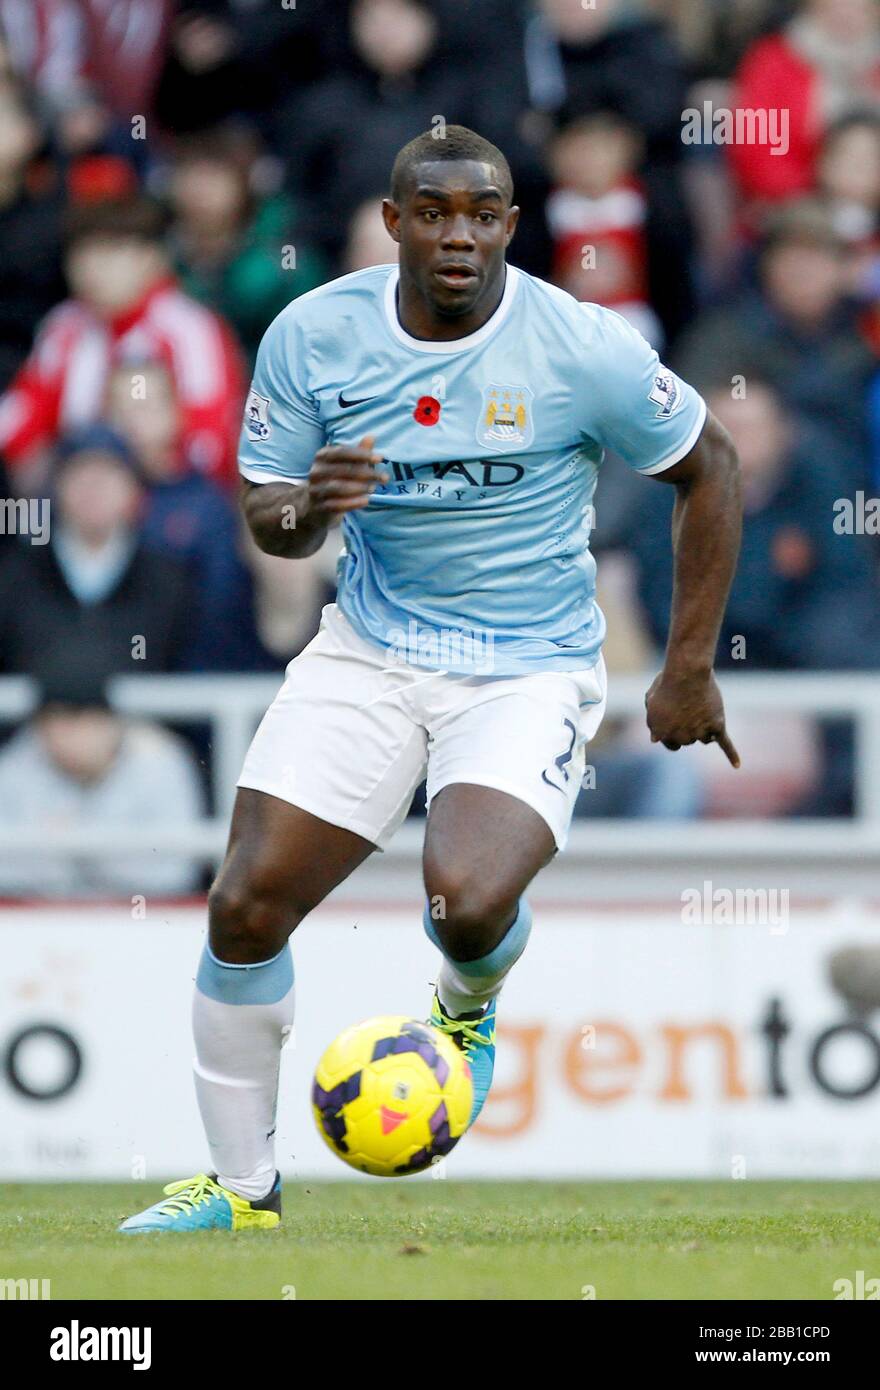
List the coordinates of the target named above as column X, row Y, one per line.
column 392, row 1095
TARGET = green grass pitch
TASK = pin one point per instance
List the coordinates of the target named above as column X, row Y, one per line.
column 449, row 1240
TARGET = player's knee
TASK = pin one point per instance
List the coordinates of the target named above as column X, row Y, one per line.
column 470, row 915
column 250, row 917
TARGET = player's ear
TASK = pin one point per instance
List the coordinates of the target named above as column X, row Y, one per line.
column 391, row 218
column 512, row 219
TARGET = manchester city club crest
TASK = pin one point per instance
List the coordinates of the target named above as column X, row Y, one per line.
column 506, row 418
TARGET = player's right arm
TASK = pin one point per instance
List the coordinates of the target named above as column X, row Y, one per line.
column 292, row 519
column 295, row 485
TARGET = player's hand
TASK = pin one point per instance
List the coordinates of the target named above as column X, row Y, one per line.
column 684, row 709
column 342, row 479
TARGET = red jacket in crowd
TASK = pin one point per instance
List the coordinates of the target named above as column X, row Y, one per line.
column 773, row 75
column 62, row 384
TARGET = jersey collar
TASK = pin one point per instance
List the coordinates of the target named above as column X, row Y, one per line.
column 447, row 346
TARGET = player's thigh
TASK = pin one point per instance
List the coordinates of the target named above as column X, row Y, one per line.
column 281, row 862
column 340, row 739
column 482, row 849
column 505, row 767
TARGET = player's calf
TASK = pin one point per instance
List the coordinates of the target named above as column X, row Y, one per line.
column 465, row 1000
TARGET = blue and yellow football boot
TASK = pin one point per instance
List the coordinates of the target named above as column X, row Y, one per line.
column 201, row 1204
column 474, row 1033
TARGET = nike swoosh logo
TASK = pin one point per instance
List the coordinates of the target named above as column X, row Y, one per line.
column 346, row 405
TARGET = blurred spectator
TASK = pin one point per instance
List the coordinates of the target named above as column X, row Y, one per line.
column 618, row 57
column 201, row 69
column 71, row 48
column 76, row 762
column 368, row 242
column 250, row 611
column 236, row 252
column 244, row 56
column 125, row 302
column 341, row 135
column 126, row 46
column 804, row 597
column 596, row 215
column 848, row 176
column 93, row 599
column 30, row 244
column 186, row 517
column 714, row 34
column 93, row 65
column 799, row 331
column 823, row 63
column 44, row 42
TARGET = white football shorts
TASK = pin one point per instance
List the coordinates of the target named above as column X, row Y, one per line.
column 353, row 731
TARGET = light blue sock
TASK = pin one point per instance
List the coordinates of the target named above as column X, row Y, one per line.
column 263, row 982
column 467, row 985
column 242, row 1016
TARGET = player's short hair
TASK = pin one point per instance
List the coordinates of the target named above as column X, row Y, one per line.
column 456, row 142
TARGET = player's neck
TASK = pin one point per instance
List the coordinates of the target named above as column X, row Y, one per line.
column 420, row 318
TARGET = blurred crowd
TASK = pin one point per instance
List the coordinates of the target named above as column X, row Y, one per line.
column 172, row 174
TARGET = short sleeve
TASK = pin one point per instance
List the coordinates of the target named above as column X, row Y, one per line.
column 281, row 431
column 646, row 413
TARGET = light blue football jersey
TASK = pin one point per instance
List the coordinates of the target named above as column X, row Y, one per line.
column 474, row 557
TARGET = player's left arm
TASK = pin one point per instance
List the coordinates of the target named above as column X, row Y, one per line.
column 684, row 703
column 660, row 425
